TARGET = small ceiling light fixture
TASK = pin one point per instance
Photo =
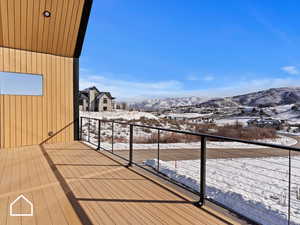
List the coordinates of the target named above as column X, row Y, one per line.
column 47, row 13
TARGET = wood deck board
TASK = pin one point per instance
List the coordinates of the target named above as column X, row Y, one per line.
column 116, row 185
column 96, row 210
column 71, row 184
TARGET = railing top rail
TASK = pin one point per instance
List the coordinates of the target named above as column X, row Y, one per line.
column 115, row 121
column 204, row 135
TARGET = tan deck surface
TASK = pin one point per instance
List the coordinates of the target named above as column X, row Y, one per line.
column 72, row 184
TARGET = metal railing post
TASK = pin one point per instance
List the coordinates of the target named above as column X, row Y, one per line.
column 112, row 136
column 203, row 171
column 158, row 149
column 89, row 125
column 130, row 145
column 99, row 135
column 80, row 133
column 289, row 192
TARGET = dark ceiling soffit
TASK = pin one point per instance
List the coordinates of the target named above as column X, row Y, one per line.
column 83, row 27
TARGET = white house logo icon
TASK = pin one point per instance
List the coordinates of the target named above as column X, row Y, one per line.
column 21, row 214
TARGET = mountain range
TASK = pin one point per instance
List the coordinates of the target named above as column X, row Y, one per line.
column 269, row 97
column 166, row 103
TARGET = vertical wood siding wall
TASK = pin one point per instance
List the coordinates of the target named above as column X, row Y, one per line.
column 27, row 120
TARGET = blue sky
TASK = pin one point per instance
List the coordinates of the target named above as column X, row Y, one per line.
column 141, row 49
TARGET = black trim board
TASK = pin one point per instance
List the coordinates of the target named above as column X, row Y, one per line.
column 76, row 97
column 86, row 11
column 83, row 27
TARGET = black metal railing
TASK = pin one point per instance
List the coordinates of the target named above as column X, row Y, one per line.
column 103, row 134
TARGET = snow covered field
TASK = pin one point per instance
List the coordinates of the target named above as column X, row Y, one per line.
column 121, row 134
column 284, row 112
column 186, row 115
column 242, row 120
column 283, row 140
column 117, row 115
column 255, row 187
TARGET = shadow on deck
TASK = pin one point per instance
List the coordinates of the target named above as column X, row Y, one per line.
column 73, row 184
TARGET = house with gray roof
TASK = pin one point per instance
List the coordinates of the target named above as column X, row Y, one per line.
column 91, row 99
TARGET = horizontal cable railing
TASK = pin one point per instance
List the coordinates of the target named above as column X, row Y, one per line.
column 256, row 180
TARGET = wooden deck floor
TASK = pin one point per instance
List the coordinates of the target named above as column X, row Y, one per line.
column 72, row 184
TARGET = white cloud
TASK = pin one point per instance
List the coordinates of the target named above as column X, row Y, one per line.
column 123, row 89
column 193, row 77
column 132, row 90
column 208, row 77
column 290, row 70
column 247, row 86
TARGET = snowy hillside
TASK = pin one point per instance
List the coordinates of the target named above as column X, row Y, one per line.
column 220, row 102
column 276, row 96
column 281, row 112
column 270, row 97
column 166, row 103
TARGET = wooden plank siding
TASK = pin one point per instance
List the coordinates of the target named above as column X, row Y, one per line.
column 31, row 43
column 23, row 25
column 27, row 120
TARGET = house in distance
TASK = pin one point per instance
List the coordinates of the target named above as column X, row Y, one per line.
column 93, row 100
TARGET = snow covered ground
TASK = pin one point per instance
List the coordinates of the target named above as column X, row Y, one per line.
column 186, row 115
column 289, row 133
column 283, row 140
column 284, row 112
column 121, row 132
column 255, row 187
column 117, row 115
column 232, row 120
